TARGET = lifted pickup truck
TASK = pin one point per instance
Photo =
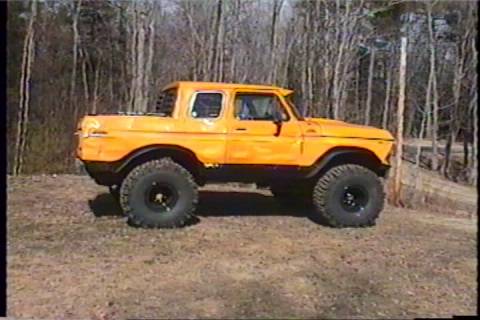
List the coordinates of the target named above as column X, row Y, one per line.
column 204, row 132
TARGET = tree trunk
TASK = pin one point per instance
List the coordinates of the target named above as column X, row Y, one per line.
column 368, row 108
column 110, row 77
column 434, row 89
column 474, row 170
column 303, row 64
column 212, row 56
column 133, row 56
column 465, row 148
column 140, row 52
column 76, row 39
column 288, row 49
column 148, row 68
column 95, row 88
column 219, row 72
column 474, row 108
column 24, row 105
column 358, row 103
column 448, row 151
column 428, row 105
column 277, row 7
column 454, row 125
column 420, row 139
column 233, row 61
column 386, row 105
column 400, row 110
column 337, row 80
column 85, row 77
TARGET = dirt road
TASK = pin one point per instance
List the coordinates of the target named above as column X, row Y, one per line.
column 71, row 255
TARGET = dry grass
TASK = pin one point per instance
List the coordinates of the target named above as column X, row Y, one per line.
column 70, row 255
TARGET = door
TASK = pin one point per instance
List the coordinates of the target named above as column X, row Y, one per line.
column 253, row 136
column 205, row 126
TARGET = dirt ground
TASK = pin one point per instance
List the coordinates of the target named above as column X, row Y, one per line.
column 71, row 255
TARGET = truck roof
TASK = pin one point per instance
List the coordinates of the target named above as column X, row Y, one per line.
column 222, row 85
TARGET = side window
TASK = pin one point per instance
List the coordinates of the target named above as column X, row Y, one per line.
column 258, row 107
column 166, row 103
column 207, row 105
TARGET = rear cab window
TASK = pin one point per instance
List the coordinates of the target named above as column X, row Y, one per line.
column 165, row 104
column 206, row 105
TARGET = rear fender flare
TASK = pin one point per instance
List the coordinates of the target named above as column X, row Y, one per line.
column 185, row 157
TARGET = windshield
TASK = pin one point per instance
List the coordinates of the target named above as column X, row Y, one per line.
column 294, row 109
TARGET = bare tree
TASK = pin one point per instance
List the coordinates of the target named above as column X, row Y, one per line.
column 474, row 108
column 400, row 110
column 213, row 50
column 141, row 21
column 23, row 110
column 277, row 7
column 95, row 88
column 151, row 52
column 433, row 76
column 73, row 78
column 386, row 105
column 84, row 56
column 368, row 108
column 457, row 87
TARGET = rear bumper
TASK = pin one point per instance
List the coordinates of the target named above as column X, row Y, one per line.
column 103, row 173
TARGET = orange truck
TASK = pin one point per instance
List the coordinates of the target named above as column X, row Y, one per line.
column 202, row 132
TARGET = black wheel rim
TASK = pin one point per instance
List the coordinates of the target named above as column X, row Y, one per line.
column 161, row 197
column 354, row 198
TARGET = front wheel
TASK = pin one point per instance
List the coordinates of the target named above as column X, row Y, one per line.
column 159, row 194
column 349, row 196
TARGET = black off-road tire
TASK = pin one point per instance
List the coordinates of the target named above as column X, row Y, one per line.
column 135, row 191
column 332, row 191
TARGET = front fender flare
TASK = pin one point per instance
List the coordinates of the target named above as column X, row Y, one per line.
column 359, row 156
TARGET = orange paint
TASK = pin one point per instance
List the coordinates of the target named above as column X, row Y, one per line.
column 225, row 139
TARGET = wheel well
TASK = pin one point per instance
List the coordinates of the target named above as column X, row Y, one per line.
column 340, row 156
column 184, row 157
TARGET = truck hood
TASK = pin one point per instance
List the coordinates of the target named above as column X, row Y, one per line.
column 341, row 129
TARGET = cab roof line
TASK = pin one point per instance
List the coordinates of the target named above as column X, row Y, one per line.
column 204, row 85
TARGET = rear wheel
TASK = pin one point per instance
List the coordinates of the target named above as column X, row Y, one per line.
column 159, row 194
column 349, row 196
